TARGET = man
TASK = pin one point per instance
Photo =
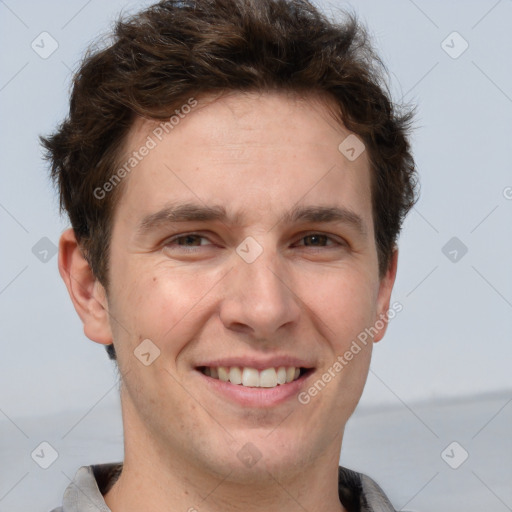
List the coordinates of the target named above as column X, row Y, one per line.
column 236, row 179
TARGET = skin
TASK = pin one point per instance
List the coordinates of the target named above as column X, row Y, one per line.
column 259, row 155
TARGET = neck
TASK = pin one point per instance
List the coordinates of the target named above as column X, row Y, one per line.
column 142, row 488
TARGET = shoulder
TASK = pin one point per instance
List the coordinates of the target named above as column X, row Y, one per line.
column 360, row 493
column 89, row 485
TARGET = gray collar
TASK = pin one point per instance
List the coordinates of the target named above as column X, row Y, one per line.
column 358, row 492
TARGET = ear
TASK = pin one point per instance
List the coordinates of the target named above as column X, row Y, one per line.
column 87, row 293
column 384, row 296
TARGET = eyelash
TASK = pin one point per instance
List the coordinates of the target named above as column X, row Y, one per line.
column 171, row 242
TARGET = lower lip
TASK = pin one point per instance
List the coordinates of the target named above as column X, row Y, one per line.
column 256, row 397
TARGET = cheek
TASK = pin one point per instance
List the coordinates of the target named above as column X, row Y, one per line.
column 344, row 301
column 158, row 302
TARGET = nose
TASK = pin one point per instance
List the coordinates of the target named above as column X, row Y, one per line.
column 258, row 297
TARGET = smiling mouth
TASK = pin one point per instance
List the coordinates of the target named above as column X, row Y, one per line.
column 251, row 377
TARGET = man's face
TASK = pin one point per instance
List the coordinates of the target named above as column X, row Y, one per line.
column 257, row 289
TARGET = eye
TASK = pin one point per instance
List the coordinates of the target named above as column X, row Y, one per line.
column 186, row 241
column 193, row 241
column 315, row 240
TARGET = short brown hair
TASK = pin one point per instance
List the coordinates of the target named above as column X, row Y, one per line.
column 178, row 49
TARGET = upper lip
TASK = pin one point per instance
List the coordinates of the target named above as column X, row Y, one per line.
column 258, row 363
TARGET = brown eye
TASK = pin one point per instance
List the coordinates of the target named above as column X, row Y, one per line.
column 316, row 240
column 319, row 240
column 189, row 240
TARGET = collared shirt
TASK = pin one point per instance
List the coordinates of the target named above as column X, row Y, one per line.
column 357, row 492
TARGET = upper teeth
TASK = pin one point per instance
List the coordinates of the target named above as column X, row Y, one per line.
column 268, row 378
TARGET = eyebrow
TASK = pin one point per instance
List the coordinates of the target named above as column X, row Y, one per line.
column 190, row 212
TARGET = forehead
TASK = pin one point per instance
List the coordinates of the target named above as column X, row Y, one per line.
column 258, row 154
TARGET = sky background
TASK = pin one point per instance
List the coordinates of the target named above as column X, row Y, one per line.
column 439, row 393
column 453, row 336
